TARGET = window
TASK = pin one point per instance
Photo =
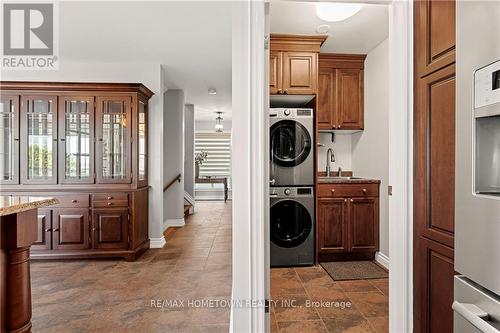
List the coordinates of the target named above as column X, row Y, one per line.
column 218, row 147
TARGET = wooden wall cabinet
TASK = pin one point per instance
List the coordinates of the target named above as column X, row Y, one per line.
column 341, row 92
column 86, row 145
column 293, row 65
column 434, row 166
column 347, row 221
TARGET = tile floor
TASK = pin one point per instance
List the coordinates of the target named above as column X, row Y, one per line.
column 306, row 299
column 116, row 296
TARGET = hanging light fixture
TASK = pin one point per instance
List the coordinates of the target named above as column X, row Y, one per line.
column 218, row 122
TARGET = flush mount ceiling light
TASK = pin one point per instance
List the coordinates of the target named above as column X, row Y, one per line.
column 323, row 29
column 212, row 91
column 218, row 122
column 335, row 12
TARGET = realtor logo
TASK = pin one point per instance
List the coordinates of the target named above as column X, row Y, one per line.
column 29, row 36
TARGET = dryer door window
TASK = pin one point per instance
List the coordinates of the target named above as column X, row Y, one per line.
column 291, row 223
column 290, row 143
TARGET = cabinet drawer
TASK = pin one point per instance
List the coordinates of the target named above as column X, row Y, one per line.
column 347, row 190
column 110, row 197
column 72, row 200
column 110, row 204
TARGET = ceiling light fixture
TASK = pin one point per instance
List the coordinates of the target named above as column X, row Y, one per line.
column 212, row 91
column 323, row 29
column 218, row 122
column 336, row 12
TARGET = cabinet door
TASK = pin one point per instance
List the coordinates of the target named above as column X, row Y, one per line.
column 363, row 224
column 70, row 229
column 44, row 239
column 300, row 72
column 110, row 229
column 350, row 91
column 114, row 139
column 327, row 98
column 275, row 72
column 142, row 144
column 39, row 139
column 9, row 134
column 332, row 226
column 76, row 138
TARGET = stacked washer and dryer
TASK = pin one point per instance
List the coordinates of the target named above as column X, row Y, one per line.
column 292, row 223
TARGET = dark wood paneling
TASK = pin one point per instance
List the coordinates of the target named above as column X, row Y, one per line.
column 351, row 113
column 341, row 190
column 70, row 229
column 110, row 228
column 363, row 222
column 332, row 225
column 327, row 99
column 434, row 165
column 140, row 227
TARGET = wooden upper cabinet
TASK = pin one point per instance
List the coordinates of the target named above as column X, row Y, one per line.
column 300, row 73
column 293, row 64
column 9, row 149
column 341, row 92
column 275, row 72
column 350, row 113
column 327, row 98
column 113, row 130
column 39, row 139
column 434, row 35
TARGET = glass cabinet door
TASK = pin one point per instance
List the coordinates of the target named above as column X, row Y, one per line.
column 114, row 140
column 39, row 139
column 9, row 134
column 142, row 143
column 76, row 137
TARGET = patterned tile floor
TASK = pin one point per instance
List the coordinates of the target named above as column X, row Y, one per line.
column 116, row 296
column 306, row 299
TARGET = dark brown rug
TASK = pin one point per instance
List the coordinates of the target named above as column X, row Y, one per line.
column 354, row 270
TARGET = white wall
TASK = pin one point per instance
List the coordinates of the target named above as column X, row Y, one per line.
column 173, row 151
column 370, row 148
column 147, row 73
column 189, row 149
column 342, row 148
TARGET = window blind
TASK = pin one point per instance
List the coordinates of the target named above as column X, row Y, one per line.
column 218, row 147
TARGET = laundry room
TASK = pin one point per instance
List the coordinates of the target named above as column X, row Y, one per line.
column 329, row 166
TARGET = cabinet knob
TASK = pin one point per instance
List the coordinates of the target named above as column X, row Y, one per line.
column 279, row 91
column 16, row 139
column 364, row 190
column 334, row 126
column 48, row 230
column 352, row 200
column 109, row 198
column 56, row 230
column 110, row 203
column 74, row 201
column 345, row 200
column 339, row 126
column 286, row 91
column 333, row 190
column 94, row 229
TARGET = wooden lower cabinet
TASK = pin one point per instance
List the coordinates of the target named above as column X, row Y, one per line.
column 70, row 229
column 44, row 230
column 347, row 226
column 110, row 229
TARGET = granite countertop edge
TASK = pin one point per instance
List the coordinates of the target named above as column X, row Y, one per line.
column 25, row 206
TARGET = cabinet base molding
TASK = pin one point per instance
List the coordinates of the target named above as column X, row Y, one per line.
column 128, row 255
column 382, row 259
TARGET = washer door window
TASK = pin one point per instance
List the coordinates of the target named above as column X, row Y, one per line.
column 290, row 143
column 290, row 223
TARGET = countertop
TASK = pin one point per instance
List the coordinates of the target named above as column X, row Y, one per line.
column 17, row 204
column 333, row 180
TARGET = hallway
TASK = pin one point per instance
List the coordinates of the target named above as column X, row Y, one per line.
column 119, row 296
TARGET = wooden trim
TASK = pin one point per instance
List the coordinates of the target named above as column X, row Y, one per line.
column 15, row 98
column 287, row 42
column 76, row 87
column 337, row 60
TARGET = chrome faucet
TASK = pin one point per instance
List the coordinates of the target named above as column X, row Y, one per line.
column 329, row 159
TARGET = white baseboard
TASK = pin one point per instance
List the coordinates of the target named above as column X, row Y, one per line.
column 157, row 243
column 173, row 223
column 382, row 259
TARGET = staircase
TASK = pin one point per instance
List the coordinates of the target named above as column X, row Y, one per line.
column 187, row 208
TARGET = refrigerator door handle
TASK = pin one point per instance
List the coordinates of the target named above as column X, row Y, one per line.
column 475, row 315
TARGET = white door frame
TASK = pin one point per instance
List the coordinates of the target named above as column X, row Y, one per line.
column 249, row 167
column 250, row 178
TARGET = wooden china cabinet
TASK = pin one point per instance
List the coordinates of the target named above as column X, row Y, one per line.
column 86, row 145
